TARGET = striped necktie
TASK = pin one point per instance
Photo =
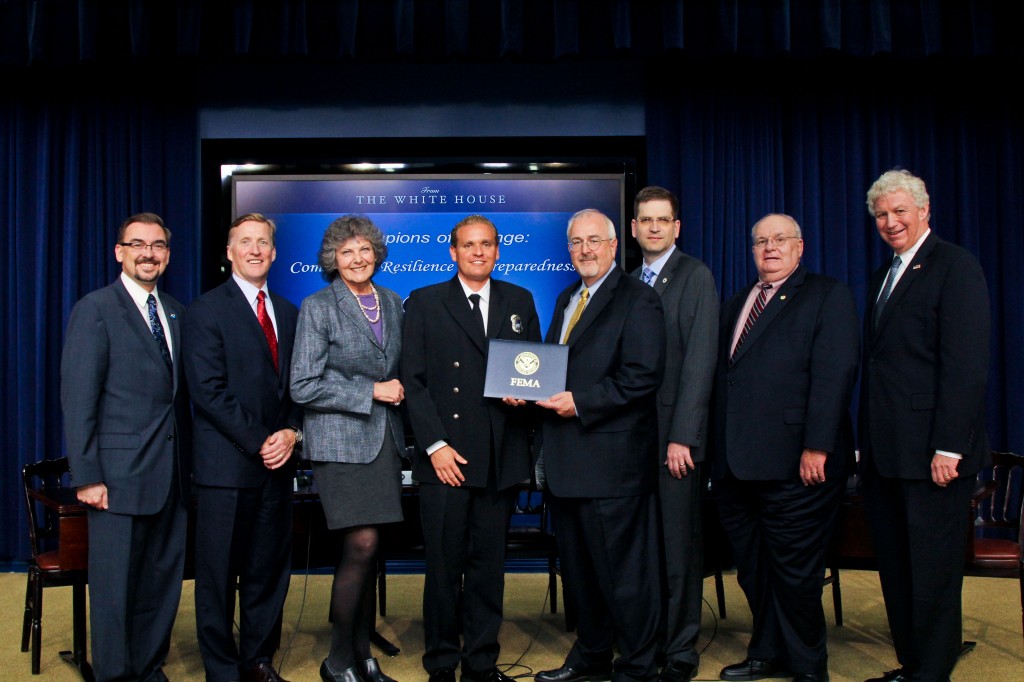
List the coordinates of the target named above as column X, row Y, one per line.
column 755, row 312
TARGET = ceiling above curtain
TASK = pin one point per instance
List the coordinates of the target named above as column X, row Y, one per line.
column 62, row 32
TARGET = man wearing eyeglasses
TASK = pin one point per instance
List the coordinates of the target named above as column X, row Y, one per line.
column 128, row 435
column 600, row 449
column 687, row 291
column 783, row 442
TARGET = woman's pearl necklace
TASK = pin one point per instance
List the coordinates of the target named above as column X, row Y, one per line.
column 374, row 307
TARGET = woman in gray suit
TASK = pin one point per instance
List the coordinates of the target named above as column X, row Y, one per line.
column 347, row 349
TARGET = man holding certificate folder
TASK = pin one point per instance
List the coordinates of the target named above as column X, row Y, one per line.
column 600, row 455
column 471, row 450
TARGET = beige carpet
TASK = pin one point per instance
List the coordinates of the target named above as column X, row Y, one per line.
column 533, row 639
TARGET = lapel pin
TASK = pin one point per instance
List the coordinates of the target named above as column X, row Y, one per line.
column 664, row 280
column 916, row 267
column 174, row 316
column 517, row 324
column 782, row 298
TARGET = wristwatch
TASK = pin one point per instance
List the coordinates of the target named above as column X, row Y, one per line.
column 298, row 433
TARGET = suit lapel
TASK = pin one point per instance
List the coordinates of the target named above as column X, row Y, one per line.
column 497, row 310
column 349, row 306
column 664, row 277
column 911, row 274
column 775, row 306
column 133, row 319
column 595, row 305
column 392, row 323
column 555, row 330
column 460, row 310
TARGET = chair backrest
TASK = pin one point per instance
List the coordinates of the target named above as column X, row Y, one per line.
column 999, row 513
column 44, row 476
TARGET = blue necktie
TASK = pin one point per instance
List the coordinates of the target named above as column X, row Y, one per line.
column 158, row 330
column 647, row 275
column 887, row 289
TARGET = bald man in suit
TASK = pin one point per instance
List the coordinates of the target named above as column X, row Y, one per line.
column 783, row 441
column 127, row 424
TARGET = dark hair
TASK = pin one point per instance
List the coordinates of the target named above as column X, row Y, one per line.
column 655, row 193
column 256, row 218
column 149, row 219
column 340, row 231
column 453, row 238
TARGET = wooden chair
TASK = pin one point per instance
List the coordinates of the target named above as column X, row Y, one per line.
column 52, row 564
column 997, row 544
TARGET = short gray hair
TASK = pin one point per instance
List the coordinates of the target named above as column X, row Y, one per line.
column 592, row 211
column 340, row 231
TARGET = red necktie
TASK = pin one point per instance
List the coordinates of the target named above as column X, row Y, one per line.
column 268, row 326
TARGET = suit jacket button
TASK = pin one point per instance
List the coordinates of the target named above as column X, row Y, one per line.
column 455, row 390
column 455, row 364
column 455, row 416
column 170, row 437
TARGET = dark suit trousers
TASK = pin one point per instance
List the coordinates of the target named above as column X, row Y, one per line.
column 608, row 548
column 243, row 538
column 136, row 567
column 780, row 532
column 920, row 535
column 464, row 545
column 680, row 503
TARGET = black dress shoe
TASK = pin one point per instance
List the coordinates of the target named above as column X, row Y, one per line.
column 371, row 672
column 261, row 672
column 569, row 674
column 811, row 677
column 753, row 669
column 898, row 675
column 678, row 671
column 492, row 675
column 346, row 675
column 442, row 675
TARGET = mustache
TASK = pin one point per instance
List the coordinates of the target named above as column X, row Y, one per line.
column 147, row 260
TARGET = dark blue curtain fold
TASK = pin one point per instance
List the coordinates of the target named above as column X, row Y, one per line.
column 753, row 147
column 752, row 107
column 75, row 164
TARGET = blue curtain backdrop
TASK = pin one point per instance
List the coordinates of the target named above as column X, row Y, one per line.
column 792, row 106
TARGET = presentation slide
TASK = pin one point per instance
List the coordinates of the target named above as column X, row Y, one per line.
column 416, row 215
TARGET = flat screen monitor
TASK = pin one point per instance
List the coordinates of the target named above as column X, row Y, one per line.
column 416, row 189
column 417, row 200
column 416, row 214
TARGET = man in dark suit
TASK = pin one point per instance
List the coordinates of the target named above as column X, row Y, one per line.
column 238, row 341
column 128, row 430
column 600, row 457
column 922, row 423
column 688, row 294
column 783, row 440
column 472, row 451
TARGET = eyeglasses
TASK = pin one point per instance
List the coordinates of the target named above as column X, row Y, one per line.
column 593, row 244
column 647, row 221
column 778, row 241
column 138, row 246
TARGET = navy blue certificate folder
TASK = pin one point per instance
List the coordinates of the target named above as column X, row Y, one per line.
column 526, row 370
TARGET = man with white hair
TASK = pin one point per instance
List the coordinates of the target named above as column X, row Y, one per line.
column 922, row 423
